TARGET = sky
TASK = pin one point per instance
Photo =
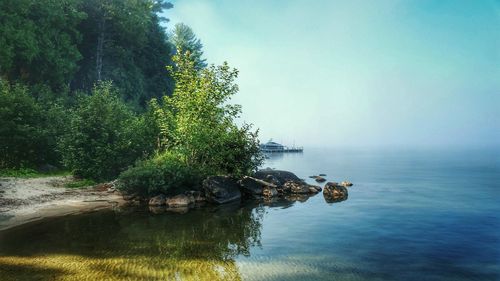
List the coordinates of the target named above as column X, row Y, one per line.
column 356, row 73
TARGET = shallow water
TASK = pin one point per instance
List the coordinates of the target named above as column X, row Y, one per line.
column 411, row 215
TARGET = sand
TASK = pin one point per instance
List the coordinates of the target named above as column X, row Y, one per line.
column 26, row 200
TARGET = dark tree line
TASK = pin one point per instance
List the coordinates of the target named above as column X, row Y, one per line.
column 68, row 45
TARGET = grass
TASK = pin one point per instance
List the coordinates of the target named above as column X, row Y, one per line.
column 29, row 173
column 80, row 183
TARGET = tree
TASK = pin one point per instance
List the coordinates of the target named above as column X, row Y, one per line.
column 124, row 42
column 38, row 40
column 102, row 137
column 184, row 40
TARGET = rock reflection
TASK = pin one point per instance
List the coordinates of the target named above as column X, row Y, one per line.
column 199, row 245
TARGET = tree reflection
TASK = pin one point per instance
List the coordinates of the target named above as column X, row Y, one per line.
column 199, row 245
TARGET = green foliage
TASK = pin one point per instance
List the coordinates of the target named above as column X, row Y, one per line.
column 26, row 137
column 196, row 133
column 123, row 41
column 101, row 140
column 165, row 174
column 38, row 40
column 184, row 40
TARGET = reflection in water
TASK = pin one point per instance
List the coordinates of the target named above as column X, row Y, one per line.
column 199, row 245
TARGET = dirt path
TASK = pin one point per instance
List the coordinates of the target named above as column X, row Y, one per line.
column 25, row 200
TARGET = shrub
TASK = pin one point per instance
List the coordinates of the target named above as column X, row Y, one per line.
column 23, row 134
column 102, row 138
column 165, row 174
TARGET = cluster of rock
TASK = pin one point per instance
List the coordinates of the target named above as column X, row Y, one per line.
column 265, row 184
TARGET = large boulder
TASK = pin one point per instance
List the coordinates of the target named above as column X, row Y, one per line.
column 253, row 186
column 279, row 177
column 333, row 192
column 181, row 200
column 221, row 189
column 300, row 187
column 158, row 200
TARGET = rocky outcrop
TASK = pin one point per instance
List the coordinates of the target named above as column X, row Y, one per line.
column 333, row 192
column 255, row 187
column 221, row 189
column 277, row 177
column 158, row 200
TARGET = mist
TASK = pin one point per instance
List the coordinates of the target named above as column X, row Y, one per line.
column 359, row 73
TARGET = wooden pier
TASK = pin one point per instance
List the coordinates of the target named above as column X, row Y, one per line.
column 284, row 150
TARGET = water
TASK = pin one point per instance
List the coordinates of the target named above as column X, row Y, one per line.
column 411, row 215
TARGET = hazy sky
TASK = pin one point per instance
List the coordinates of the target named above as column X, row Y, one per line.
column 359, row 73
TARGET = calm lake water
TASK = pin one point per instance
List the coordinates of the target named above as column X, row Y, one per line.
column 411, row 215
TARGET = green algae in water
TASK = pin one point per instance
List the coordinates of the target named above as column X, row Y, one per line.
column 135, row 245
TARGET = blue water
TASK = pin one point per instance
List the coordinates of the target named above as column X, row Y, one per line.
column 411, row 215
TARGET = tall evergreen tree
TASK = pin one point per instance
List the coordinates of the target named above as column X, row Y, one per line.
column 184, row 40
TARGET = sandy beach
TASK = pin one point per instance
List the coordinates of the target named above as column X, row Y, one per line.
column 26, row 200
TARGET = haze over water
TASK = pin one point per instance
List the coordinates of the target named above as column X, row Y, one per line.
column 359, row 73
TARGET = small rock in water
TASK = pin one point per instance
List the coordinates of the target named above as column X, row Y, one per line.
column 180, row 200
column 320, row 179
column 346, row 183
column 158, row 200
column 322, row 175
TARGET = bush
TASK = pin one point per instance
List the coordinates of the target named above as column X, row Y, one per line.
column 165, row 174
column 102, row 138
column 24, row 138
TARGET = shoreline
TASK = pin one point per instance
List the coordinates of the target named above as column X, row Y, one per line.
column 28, row 200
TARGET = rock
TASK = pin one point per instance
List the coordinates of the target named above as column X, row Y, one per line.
column 334, row 192
column 197, row 195
column 253, row 186
column 313, row 177
column 346, row 183
column 272, row 179
column 270, row 192
column 280, row 176
column 158, row 200
column 322, row 175
column 320, row 179
column 181, row 200
column 300, row 187
column 130, row 197
column 221, row 189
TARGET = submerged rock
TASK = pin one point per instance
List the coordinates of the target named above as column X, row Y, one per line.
column 157, row 200
column 322, row 175
column 333, row 192
column 253, row 186
column 221, row 189
column 320, row 179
